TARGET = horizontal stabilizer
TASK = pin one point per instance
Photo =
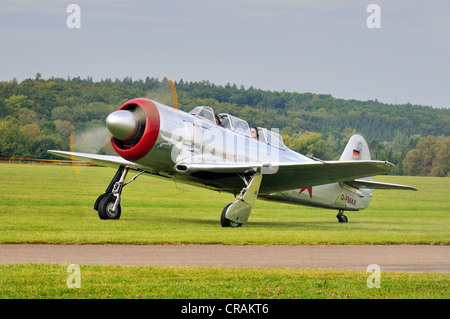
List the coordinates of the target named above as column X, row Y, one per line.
column 360, row 183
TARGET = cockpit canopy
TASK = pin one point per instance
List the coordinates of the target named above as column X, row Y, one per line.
column 237, row 125
column 270, row 137
column 204, row 112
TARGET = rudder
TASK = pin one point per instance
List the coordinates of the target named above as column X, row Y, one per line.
column 356, row 149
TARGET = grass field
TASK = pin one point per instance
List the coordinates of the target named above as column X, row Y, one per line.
column 52, row 204
column 102, row 282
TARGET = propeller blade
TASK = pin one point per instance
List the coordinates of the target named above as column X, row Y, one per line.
column 74, row 162
column 174, row 94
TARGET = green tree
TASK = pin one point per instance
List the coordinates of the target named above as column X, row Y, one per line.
column 310, row 144
column 13, row 141
column 51, row 142
column 17, row 102
column 27, row 116
column 4, row 109
column 66, row 128
column 430, row 158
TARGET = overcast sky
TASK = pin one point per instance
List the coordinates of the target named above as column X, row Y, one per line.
column 319, row 46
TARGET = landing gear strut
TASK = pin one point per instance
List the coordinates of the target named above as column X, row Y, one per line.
column 108, row 204
column 341, row 217
column 237, row 212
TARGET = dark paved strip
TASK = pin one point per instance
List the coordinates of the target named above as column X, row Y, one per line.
column 388, row 257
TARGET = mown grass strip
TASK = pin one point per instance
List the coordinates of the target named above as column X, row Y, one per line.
column 49, row 281
column 52, row 204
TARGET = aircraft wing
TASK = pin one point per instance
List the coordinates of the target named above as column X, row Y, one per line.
column 360, row 183
column 277, row 176
column 103, row 160
column 292, row 175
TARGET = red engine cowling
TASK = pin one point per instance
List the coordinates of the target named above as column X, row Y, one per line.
column 144, row 134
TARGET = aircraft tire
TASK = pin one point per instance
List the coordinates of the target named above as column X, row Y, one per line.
column 103, row 208
column 344, row 219
column 225, row 221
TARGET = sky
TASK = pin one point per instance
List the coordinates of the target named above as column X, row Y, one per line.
column 317, row 46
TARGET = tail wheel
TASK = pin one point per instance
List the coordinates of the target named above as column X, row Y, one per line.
column 105, row 208
column 341, row 217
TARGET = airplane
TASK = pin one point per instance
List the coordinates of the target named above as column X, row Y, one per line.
column 218, row 151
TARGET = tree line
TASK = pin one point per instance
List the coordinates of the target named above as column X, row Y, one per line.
column 40, row 114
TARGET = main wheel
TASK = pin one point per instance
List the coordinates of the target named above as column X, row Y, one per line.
column 105, row 207
column 225, row 221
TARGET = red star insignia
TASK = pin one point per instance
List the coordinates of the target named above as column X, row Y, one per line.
column 309, row 191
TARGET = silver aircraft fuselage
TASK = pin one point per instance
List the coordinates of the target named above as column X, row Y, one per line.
column 184, row 138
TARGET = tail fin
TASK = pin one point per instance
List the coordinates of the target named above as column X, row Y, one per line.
column 356, row 149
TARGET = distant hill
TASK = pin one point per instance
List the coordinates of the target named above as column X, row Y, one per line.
column 38, row 114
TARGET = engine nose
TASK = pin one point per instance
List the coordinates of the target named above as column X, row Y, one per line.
column 134, row 128
column 122, row 124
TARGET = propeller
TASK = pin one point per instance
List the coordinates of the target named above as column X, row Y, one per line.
column 91, row 140
column 124, row 125
column 72, row 148
column 174, row 93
